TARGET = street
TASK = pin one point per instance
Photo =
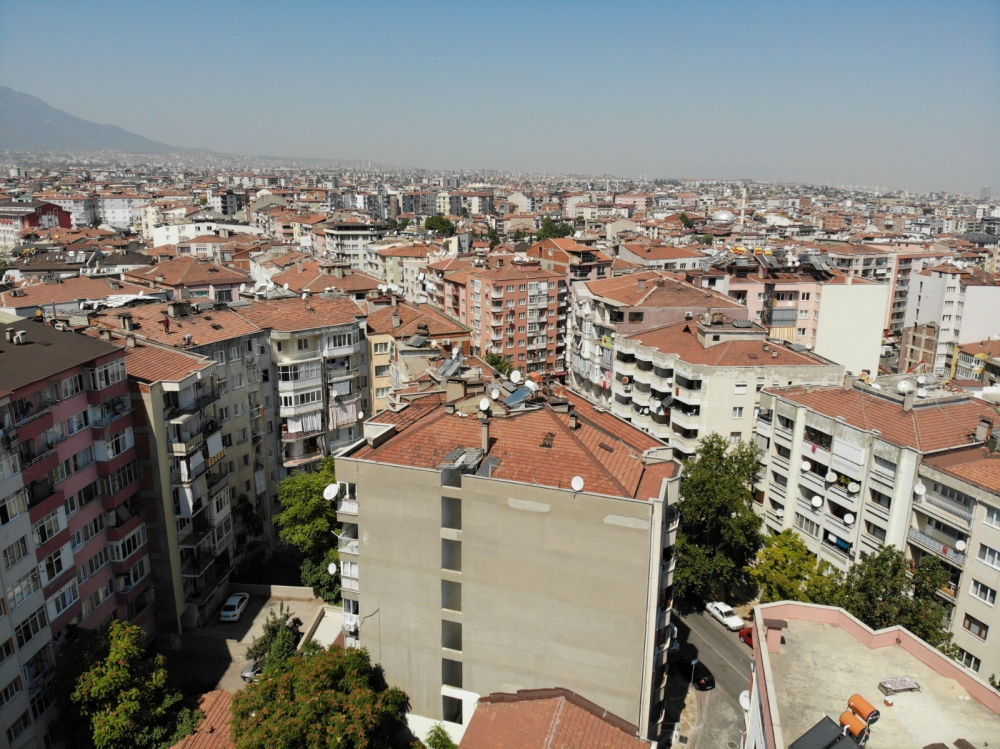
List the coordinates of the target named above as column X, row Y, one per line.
column 729, row 661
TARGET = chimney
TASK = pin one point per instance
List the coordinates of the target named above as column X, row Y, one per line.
column 908, row 399
column 572, row 421
column 396, row 322
column 130, row 341
column 126, row 318
column 21, row 337
column 9, row 334
column 395, row 299
column 105, row 334
column 486, row 434
column 983, row 429
column 176, row 309
column 449, row 408
column 640, row 284
column 454, row 389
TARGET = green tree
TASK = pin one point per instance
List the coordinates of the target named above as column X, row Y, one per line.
column 124, row 699
column 704, row 238
column 403, row 223
column 316, row 574
column 307, row 520
column 393, row 224
column 438, row 738
column 785, row 570
column 878, row 591
column 551, row 230
column 441, row 225
column 493, row 236
column 499, row 362
column 719, row 534
column 281, row 652
column 83, row 648
column 686, row 221
column 282, row 620
column 335, row 698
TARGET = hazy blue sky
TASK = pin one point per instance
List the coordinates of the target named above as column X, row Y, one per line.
column 900, row 94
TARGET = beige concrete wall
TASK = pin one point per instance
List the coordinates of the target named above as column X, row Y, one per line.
column 555, row 586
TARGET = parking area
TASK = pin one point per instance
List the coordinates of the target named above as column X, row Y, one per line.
column 213, row 656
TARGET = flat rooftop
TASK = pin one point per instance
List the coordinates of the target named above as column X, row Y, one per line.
column 821, row 665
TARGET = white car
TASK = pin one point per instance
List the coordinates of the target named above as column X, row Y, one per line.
column 234, row 607
column 725, row 615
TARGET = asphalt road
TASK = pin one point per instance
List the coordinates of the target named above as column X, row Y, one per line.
column 729, row 661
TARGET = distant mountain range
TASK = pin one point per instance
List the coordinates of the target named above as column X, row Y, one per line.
column 29, row 124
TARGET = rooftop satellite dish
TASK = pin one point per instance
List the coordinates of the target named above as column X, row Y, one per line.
column 577, row 483
column 922, row 379
column 960, row 545
column 454, row 352
column 920, row 490
column 142, row 293
column 285, row 287
column 533, row 387
column 270, row 285
column 921, row 392
column 817, row 501
column 515, row 376
column 330, row 492
column 876, row 386
column 361, row 416
column 494, row 394
column 849, row 519
column 484, row 404
column 904, row 386
column 806, row 465
column 332, row 568
column 305, row 295
column 382, row 287
column 243, row 287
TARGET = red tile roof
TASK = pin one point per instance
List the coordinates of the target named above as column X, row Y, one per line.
column 213, row 731
column 547, row 719
column 661, row 290
column 67, row 290
column 977, row 465
column 605, row 451
column 928, row 427
column 410, row 317
column 204, row 327
column 187, row 271
column 312, row 278
column 295, row 314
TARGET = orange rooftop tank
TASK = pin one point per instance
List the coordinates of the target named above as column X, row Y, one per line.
column 863, row 709
column 853, row 723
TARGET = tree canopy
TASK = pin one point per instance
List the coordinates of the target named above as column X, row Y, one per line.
column 438, row 738
column 686, row 221
column 719, row 534
column 440, row 224
column 785, row 570
column 499, row 362
column 307, row 520
column 551, row 230
column 124, row 700
column 335, row 698
column 276, row 622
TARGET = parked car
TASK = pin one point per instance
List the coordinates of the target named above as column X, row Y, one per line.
column 701, row 678
column 725, row 615
column 252, row 671
column 234, row 607
column 746, row 634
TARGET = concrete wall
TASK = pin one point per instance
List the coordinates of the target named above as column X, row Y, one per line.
column 849, row 329
column 555, row 586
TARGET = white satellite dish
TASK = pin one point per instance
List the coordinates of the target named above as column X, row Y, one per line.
column 849, row 519
column 243, row 287
column 142, row 293
column 817, row 501
column 484, row 404
column 533, row 387
column 780, row 512
column 919, row 490
column 854, row 487
column 332, row 568
column 305, row 295
column 330, row 492
column 454, row 352
column 960, row 545
column 922, row 379
column 515, row 376
column 806, row 465
column 361, row 416
column 876, row 386
column 577, row 483
column 285, row 287
column 921, row 392
column 904, row 386
column 494, row 394
column 831, row 477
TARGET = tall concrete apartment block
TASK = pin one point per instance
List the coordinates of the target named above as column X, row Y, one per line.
column 528, row 546
column 73, row 543
column 904, row 462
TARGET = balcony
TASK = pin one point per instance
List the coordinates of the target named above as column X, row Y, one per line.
column 185, row 447
column 287, row 436
column 347, row 506
column 954, row 509
column 930, row 543
column 673, row 518
column 215, row 478
column 348, row 545
column 302, row 459
column 335, row 375
column 686, row 419
column 196, row 565
column 311, row 354
column 302, row 383
column 691, row 397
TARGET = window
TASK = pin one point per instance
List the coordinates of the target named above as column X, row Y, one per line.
column 302, row 344
column 992, row 517
column 46, row 528
column 107, row 375
column 127, row 546
column 10, row 691
column 40, row 703
column 75, row 423
column 806, row 525
column 805, row 295
column 741, row 388
column 382, row 392
column 989, row 556
column 954, row 495
column 975, row 627
column 634, row 317
column 83, row 458
column 31, row 627
column 237, row 381
column 883, row 500
column 52, row 566
column 72, row 386
column 97, row 561
column 800, row 332
column 983, row 592
column 875, row 530
column 18, row 727
column 7, row 649
column 118, row 444
column 381, row 348
column 382, row 370
column 65, row 598
column 13, row 553
column 220, row 356
column 18, row 592
column 92, row 528
column 968, row 660
column 738, row 412
column 61, row 472
column 9, row 464
column 884, row 466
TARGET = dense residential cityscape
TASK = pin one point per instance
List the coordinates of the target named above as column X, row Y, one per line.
column 519, row 376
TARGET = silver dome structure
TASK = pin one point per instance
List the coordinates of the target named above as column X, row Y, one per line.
column 723, row 217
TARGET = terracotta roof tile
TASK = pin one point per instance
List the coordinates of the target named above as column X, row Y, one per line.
column 661, row 290
column 213, row 731
column 187, row 271
column 294, row 314
column 411, row 316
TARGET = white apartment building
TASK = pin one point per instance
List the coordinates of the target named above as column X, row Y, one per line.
column 683, row 381
column 906, row 463
column 84, row 210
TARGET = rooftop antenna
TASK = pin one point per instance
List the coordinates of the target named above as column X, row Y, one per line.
column 454, row 352
column 285, row 287
column 577, row 483
column 484, row 405
column 494, row 394
column 515, row 376
column 332, row 568
column 330, row 492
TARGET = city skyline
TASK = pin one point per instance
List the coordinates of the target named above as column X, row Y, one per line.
column 847, row 95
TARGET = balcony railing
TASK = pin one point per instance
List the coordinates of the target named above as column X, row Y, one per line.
column 349, row 545
column 929, row 542
column 349, row 583
column 350, row 506
column 948, row 505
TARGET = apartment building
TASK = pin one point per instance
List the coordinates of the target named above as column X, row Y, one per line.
column 188, row 278
column 320, row 356
column 397, row 329
column 518, row 310
column 603, row 310
column 908, row 463
column 236, row 427
column 16, row 217
column 434, row 274
column 978, row 361
column 799, row 298
column 961, row 300
column 568, row 257
column 347, row 239
column 530, row 532
column 73, row 539
column 683, row 381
